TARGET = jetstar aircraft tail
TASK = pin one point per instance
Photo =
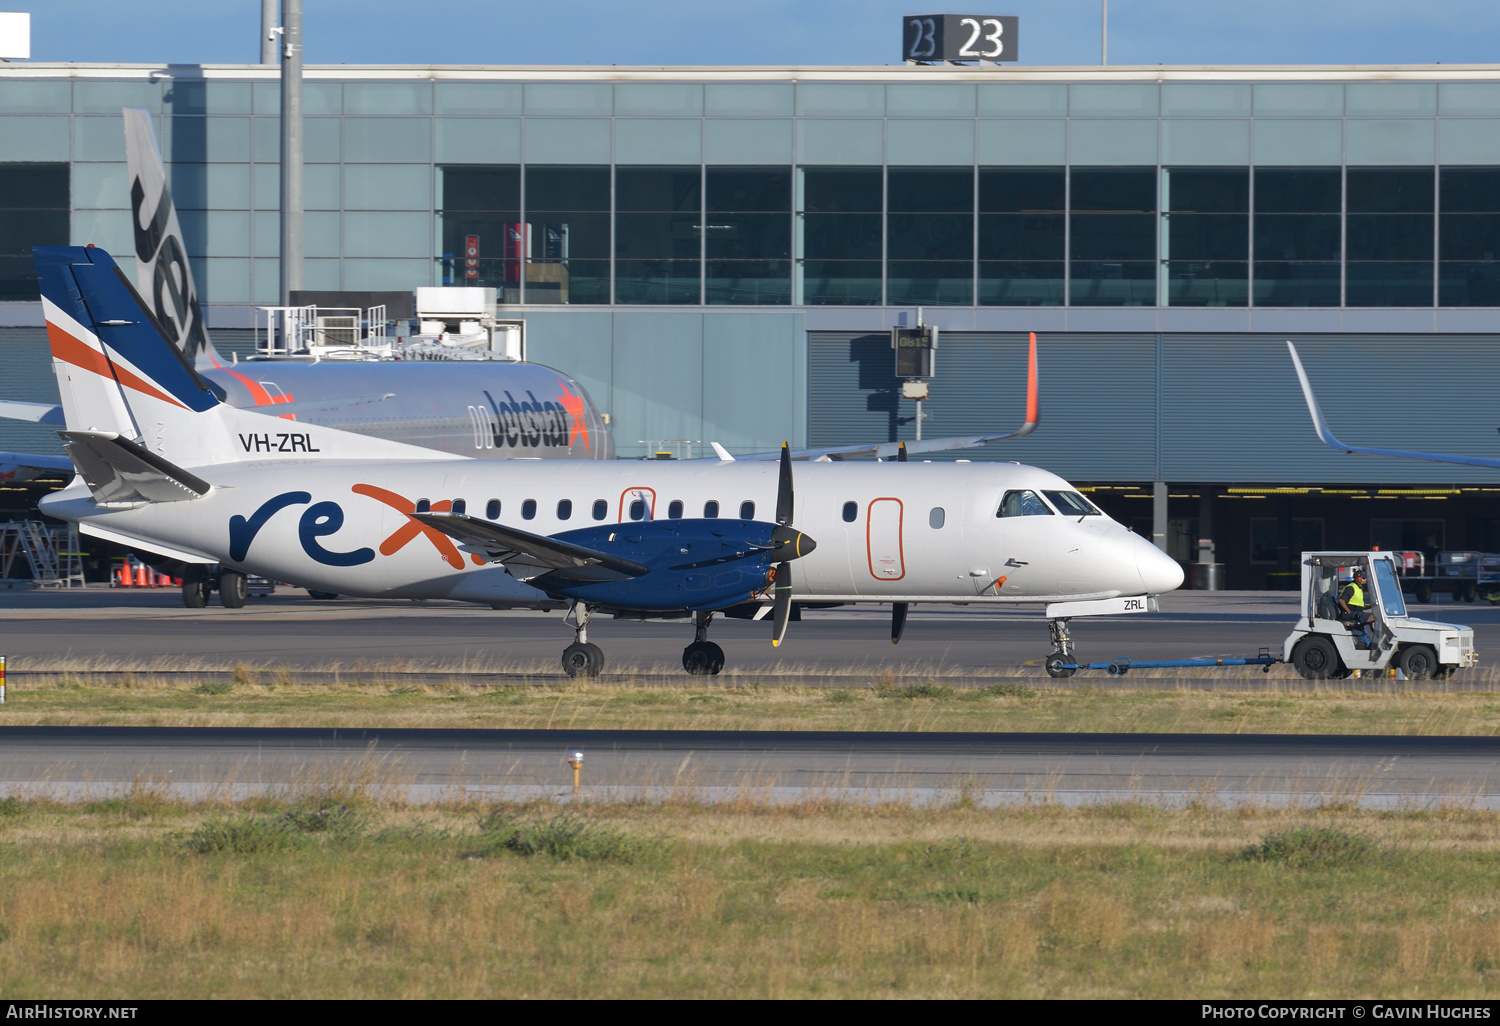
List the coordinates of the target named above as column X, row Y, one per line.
column 121, row 378
column 162, row 274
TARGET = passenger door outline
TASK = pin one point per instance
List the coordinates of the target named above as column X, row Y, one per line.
column 637, row 493
column 887, row 562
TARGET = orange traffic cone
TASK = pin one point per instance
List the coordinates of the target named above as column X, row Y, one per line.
column 141, row 580
column 124, row 576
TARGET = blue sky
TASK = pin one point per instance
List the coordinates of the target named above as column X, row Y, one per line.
column 808, row 32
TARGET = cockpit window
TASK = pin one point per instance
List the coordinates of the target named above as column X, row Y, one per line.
column 1071, row 504
column 1022, row 504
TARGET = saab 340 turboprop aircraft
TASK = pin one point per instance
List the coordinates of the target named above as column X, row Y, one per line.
column 163, row 464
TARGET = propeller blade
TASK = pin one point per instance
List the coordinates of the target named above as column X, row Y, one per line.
column 784, row 488
column 901, row 456
column 898, row 621
column 781, row 602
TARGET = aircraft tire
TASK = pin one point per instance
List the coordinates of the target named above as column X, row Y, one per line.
column 1315, row 658
column 234, row 588
column 322, row 596
column 1056, row 668
column 583, row 660
column 195, row 588
column 1424, row 593
column 703, row 659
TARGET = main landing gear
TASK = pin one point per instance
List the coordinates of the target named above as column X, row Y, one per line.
column 702, row 658
column 1061, row 663
column 582, row 658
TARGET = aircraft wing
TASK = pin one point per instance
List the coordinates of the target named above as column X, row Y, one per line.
column 1328, row 438
column 23, row 466
column 528, row 555
column 37, row 413
column 887, row 450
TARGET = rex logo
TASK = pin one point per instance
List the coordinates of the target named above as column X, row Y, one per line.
column 321, row 519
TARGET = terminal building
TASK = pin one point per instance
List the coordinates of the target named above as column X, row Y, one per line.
column 719, row 254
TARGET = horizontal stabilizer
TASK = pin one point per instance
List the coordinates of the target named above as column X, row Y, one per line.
column 118, row 470
column 528, row 555
column 37, row 413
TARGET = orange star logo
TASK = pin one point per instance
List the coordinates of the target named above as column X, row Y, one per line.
column 574, row 405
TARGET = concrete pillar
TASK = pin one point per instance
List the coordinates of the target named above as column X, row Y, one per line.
column 1159, row 514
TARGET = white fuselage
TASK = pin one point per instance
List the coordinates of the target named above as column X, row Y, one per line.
column 920, row 532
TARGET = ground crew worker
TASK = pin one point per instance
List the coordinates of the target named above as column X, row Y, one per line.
column 1355, row 604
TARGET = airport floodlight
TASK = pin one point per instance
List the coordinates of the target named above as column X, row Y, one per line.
column 574, row 758
column 15, row 37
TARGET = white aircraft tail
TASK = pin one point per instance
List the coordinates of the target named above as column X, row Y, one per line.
column 132, row 400
column 162, row 273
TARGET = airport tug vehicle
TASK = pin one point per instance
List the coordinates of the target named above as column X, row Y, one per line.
column 1329, row 644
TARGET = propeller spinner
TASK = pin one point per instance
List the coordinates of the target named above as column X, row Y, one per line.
column 787, row 544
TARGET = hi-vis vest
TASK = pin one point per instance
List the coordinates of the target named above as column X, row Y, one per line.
column 1356, row 599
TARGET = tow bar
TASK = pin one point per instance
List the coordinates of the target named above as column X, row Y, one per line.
column 1120, row 667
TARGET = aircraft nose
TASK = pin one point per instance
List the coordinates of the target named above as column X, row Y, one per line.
column 1159, row 571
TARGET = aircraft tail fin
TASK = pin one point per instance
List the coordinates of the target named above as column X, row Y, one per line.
column 162, row 273
column 120, row 377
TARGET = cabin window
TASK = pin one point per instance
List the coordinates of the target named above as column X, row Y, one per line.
column 460, row 506
column 1071, row 504
column 674, row 510
column 528, row 509
column 747, row 510
column 424, row 505
column 711, row 509
column 1022, row 503
column 936, row 517
column 492, row 509
column 601, row 509
column 851, row 512
column 637, row 509
column 564, row 509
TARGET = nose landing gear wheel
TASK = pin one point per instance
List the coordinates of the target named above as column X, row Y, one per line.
column 1056, row 668
column 583, row 659
column 703, row 659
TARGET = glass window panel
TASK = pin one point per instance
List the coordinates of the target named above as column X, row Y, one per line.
column 1375, row 142
column 195, row 139
column 841, row 190
column 99, row 138
column 1114, row 189
column 34, row 138
column 658, row 98
column 1021, row 190
column 1469, row 190
column 1208, row 237
column 1472, row 141
column 929, row 141
column 1023, row 98
column 210, row 186
column 1298, row 98
column 482, row 201
column 1014, row 141
column 567, row 140
column 1298, row 190
column 266, row 228
column 321, row 98
column 841, row 236
column 656, row 281
column 566, row 281
column 841, row 98
column 749, row 282
column 480, row 188
column 736, row 236
column 1208, row 191
column 600, row 510
column 1113, row 283
column 930, row 236
column 569, row 98
column 1207, row 283
column 207, row 98
column 1469, row 98
column 1205, row 98
column 22, row 97
column 930, row 99
column 567, row 187
column 476, row 141
column 914, row 190
column 748, row 99
column 1469, row 283
column 747, row 510
column 1389, row 237
column 1388, row 284
column 388, row 97
column 320, row 233
column 1016, row 283
column 321, row 141
column 931, row 282
column 31, row 187
column 1303, row 142
column 1296, row 284
column 749, row 188
column 657, row 236
column 477, row 98
column 385, row 140
column 1390, row 190
column 387, row 187
column 100, row 186
column 35, row 213
column 658, row 141
column 1114, row 236
column 1390, row 98
column 840, row 282
column 748, row 141
column 380, row 234
column 832, row 141
column 657, row 188
column 1123, row 98
column 1469, row 236
column 1021, row 236
column 1297, row 236
column 320, row 187
column 97, row 96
